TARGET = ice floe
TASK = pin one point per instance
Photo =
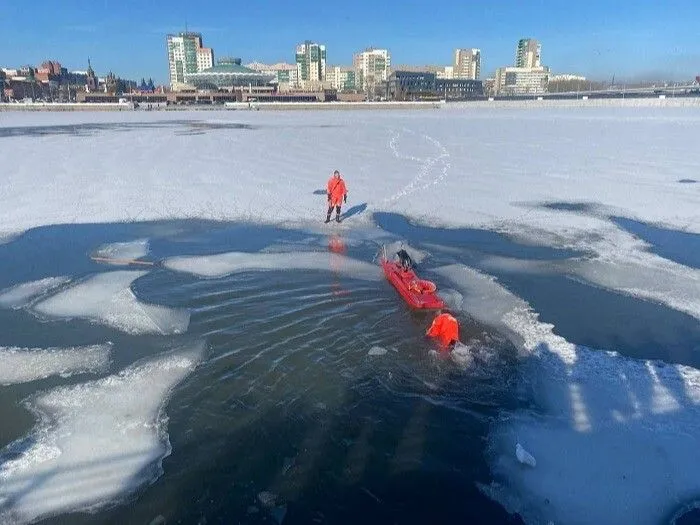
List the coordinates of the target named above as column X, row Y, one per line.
column 95, row 442
column 617, row 440
column 107, row 298
column 377, row 351
column 121, row 252
column 22, row 294
column 233, row 262
column 20, row 365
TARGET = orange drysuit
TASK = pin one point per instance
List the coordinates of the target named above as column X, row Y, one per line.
column 445, row 329
column 336, row 190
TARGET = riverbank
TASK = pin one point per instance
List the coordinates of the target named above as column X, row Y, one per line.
column 680, row 102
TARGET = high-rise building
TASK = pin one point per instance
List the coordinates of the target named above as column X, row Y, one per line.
column 311, row 63
column 467, row 63
column 372, row 68
column 528, row 53
column 186, row 54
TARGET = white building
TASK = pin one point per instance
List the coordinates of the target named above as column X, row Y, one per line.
column 467, row 63
column 342, row 78
column 186, row 55
column 447, row 72
column 372, row 68
column 205, row 58
column 311, row 64
column 521, row 80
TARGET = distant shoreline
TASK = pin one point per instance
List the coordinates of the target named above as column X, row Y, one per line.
column 296, row 106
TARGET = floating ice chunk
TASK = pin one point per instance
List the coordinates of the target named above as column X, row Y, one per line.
column 20, row 365
column 524, row 456
column 621, row 436
column 22, row 294
column 122, row 252
column 95, row 442
column 232, row 262
column 377, row 350
column 107, row 298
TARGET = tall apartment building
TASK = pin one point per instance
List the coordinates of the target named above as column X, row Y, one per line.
column 467, row 63
column 186, row 54
column 528, row 53
column 311, row 63
column 372, row 68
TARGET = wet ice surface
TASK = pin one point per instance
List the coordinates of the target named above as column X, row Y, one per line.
column 228, row 263
column 22, row 294
column 95, row 441
column 121, row 252
column 107, row 298
column 19, row 365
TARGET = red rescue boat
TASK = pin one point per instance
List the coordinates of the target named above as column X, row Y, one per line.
column 418, row 293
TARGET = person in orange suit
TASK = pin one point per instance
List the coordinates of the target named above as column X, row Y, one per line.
column 337, row 193
column 445, row 329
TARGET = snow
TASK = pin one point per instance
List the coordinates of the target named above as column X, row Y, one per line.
column 95, row 442
column 617, row 439
column 107, row 298
column 232, row 262
column 452, row 167
column 20, row 365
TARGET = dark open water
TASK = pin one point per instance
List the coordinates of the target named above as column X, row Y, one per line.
column 287, row 400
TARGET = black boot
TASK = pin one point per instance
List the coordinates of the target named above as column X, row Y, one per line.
column 337, row 218
column 337, row 214
column 328, row 219
column 328, row 215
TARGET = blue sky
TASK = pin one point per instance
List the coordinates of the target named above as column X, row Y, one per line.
column 597, row 38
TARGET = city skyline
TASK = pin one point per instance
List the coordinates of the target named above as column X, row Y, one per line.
column 651, row 41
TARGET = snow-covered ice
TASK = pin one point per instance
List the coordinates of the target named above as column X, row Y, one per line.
column 95, row 441
column 451, row 167
column 19, row 365
column 107, row 298
column 617, row 439
column 233, row 262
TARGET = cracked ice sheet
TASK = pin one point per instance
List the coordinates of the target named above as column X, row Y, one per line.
column 95, row 442
column 617, row 440
column 233, row 262
column 107, row 298
column 20, row 365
